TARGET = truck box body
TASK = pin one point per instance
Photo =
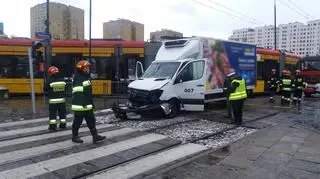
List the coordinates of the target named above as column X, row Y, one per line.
column 189, row 72
column 222, row 56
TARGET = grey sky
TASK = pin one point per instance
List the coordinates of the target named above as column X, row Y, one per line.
column 182, row 15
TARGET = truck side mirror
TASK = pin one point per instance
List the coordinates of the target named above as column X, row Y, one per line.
column 178, row 79
column 139, row 70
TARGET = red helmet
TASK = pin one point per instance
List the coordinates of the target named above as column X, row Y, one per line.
column 53, row 70
column 82, row 64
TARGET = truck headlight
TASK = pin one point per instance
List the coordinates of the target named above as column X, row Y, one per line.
column 155, row 95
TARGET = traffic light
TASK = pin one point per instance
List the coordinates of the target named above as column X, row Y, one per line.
column 36, row 53
column 118, row 50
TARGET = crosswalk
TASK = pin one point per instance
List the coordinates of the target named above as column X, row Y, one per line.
column 29, row 151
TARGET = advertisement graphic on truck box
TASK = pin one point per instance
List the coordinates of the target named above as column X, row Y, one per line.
column 225, row 57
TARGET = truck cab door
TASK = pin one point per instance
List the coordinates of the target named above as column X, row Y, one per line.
column 139, row 70
column 189, row 85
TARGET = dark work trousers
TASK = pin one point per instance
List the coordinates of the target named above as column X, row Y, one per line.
column 78, row 118
column 237, row 106
column 272, row 92
column 229, row 108
column 285, row 97
column 59, row 108
column 297, row 95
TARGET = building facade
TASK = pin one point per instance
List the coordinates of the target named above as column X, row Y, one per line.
column 159, row 35
column 302, row 39
column 123, row 29
column 66, row 22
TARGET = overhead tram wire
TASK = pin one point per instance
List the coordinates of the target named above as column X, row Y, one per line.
column 293, row 9
column 239, row 17
column 297, row 7
column 236, row 12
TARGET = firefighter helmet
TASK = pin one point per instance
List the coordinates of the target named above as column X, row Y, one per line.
column 53, row 70
column 82, row 65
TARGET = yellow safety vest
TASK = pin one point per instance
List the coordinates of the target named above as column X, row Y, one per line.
column 240, row 92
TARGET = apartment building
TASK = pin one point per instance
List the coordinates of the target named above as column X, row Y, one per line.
column 66, row 22
column 123, row 29
column 303, row 39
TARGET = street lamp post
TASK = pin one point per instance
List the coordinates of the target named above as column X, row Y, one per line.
column 275, row 24
column 47, row 61
column 90, row 13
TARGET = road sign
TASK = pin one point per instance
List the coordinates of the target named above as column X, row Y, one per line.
column 43, row 35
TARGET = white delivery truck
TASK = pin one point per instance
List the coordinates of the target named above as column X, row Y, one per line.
column 186, row 74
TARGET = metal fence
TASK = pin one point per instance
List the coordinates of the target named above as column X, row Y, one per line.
column 117, row 88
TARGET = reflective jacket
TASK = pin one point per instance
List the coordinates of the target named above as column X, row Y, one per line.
column 82, row 99
column 240, row 92
column 299, row 83
column 56, row 90
column 286, row 84
column 273, row 82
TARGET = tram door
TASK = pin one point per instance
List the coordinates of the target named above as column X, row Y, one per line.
column 269, row 65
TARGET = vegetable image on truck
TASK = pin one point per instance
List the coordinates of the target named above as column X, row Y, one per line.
column 225, row 56
column 186, row 74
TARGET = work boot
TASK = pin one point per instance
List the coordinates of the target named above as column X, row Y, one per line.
column 62, row 125
column 271, row 99
column 52, row 127
column 96, row 138
column 77, row 139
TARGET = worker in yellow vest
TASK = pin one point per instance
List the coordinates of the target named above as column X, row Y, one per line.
column 238, row 94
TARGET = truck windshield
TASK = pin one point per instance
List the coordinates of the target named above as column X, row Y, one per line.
column 161, row 70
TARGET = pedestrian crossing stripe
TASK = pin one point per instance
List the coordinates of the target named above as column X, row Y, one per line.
column 53, row 155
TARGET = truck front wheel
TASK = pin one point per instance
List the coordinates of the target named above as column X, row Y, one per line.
column 172, row 109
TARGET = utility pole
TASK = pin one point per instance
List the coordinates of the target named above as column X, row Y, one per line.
column 275, row 24
column 48, row 56
column 90, row 18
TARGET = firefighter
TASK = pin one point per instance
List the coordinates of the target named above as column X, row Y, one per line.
column 273, row 85
column 55, row 89
column 298, row 84
column 82, row 103
column 286, row 87
column 237, row 94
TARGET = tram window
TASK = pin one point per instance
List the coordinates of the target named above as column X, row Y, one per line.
column 290, row 67
column 16, row 67
column 131, row 68
column 66, row 63
column 260, row 71
column 105, row 67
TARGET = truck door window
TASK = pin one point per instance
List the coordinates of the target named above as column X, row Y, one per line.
column 193, row 71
